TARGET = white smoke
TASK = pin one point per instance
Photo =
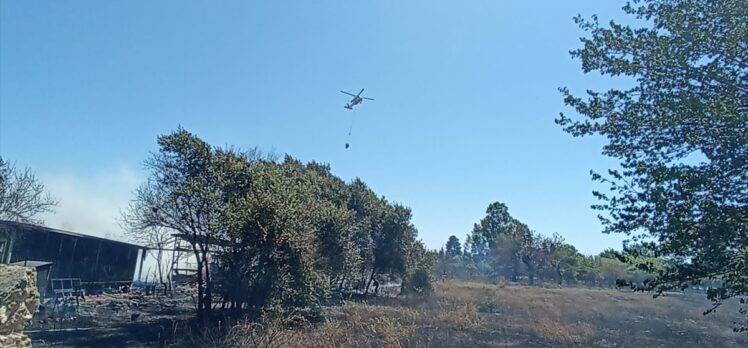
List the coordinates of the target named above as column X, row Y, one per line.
column 90, row 203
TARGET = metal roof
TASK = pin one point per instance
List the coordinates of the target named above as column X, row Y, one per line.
column 32, row 228
column 35, row 264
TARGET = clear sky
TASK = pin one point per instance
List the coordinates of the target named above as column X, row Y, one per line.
column 466, row 93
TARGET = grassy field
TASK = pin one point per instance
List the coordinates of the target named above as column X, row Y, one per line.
column 461, row 314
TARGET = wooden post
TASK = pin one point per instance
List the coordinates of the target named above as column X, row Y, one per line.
column 98, row 252
column 142, row 260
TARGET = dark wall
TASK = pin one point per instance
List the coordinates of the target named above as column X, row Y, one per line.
column 90, row 259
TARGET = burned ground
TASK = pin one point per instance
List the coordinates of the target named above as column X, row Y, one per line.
column 457, row 314
column 112, row 320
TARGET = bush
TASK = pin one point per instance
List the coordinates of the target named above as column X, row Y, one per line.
column 419, row 282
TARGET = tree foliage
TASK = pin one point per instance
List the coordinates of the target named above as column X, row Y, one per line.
column 182, row 195
column 509, row 250
column 453, row 247
column 680, row 133
column 274, row 235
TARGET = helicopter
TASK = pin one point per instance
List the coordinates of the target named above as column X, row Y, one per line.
column 357, row 99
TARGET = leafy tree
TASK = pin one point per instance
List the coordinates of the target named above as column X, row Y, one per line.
column 538, row 252
column 392, row 242
column 421, row 263
column 500, row 238
column 497, row 222
column 466, row 245
column 638, row 249
column 182, row 195
column 563, row 260
column 506, row 255
column 463, row 267
column 442, row 262
column 22, row 196
column 277, row 258
column 453, row 247
column 612, row 271
column 273, row 235
column 610, row 253
column 366, row 208
column 679, row 132
column 589, row 270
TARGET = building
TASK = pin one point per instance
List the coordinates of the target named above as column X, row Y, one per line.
column 93, row 262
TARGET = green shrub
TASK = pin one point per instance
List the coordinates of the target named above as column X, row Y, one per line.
column 420, row 282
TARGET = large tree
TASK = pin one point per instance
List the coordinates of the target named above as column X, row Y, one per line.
column 562, row 258
column 499, row 239
column 680, row 132
column 267, row 234
column 22, row 195
column 182, row 195
column 538, row 252
column 496, row 223
column 453, row 247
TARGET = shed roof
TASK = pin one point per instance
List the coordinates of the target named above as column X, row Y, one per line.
column 31, row 228
column 29, row 263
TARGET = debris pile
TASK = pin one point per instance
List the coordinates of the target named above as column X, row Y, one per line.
column 112, row 310
column 19, row 299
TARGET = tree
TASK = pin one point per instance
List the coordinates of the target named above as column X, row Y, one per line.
column 466, row 245
column 506, row 255
column 612, row 271
column 420, row 268
column 609, row 253
column 453, row 247
column 392, row 242
column 497, row 222
column 22, row 196
column 366, row 208
column 269, row 235
column 498, row 239
column 589, row 270
column 442, row 262
column 538, row 252
column 182, row 195
column 679, row 133
column 564, row 259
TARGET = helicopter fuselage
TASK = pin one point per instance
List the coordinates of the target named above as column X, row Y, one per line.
column 355, row 101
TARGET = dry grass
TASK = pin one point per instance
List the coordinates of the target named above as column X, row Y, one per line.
column 475, row 314
column 556, row 332
column 459, row 316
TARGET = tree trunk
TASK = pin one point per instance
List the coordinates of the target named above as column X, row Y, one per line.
column 199, row 264
column 362, row 281
column 208, row 298
column 531, row 276
column 371, row 278
column 159, row 261
column 342, row 282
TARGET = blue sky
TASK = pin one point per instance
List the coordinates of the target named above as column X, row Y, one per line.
column 466, row 93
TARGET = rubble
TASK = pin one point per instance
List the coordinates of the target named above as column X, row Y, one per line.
column 100, row 320
column 19, row 299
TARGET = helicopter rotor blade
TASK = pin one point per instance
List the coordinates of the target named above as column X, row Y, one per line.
column 359, row 93
column 367, row 98
column 350, row 94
